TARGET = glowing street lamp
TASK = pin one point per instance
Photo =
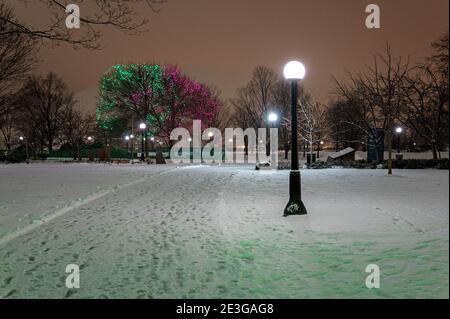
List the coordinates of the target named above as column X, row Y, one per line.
column 90, row 153
column 132, row 148
column 142, row 127
column 294, row 71
column 273, row 117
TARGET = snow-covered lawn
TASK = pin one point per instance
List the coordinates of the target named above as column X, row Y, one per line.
column 141, row 231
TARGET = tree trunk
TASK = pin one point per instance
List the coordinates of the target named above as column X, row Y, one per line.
column 434, row 150
column 78, row 153
column 390, row 154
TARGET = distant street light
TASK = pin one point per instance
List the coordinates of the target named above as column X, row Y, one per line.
column 272, row 118
column 399, row 131
column 90, row 153
column 294, row 71
column 21, row 138
column 132, row 148
column 152, row 139
column 319, row 145
column 127, row 139
column 142, row 126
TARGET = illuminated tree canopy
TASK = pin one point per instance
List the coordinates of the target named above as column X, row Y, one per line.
column 161, row 96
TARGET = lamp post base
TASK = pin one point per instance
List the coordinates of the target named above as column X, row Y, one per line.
column 295, row 205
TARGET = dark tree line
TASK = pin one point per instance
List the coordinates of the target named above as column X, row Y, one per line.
column 390, row 93
column 36, row 108
column 41, row 108
column 17, row 58
column 394, row 92
column 44, row 112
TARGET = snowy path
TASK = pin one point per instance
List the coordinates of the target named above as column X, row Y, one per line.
column 205, row 232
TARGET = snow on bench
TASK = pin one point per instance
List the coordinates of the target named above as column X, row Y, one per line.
column 347, row 154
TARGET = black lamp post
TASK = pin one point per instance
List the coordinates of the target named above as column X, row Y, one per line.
column 26, row 148
column 127, row 139
column 399, row 131
column 294, row 71
column 142, row 126
column 272, row 118
column 132, row 148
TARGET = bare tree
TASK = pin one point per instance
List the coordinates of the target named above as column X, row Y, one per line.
column 42, row 107
column 379, row 93
column 439, row 59
column 282, row 106
column 119, row 14
column 312, row 121
column 6, row 122
column 76, row 128
column 17, row 58
column 343, row 122
column 425, row 93
column 224, row 115
column 256, row 98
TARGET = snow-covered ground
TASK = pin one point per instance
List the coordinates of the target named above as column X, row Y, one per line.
column 142, row 231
